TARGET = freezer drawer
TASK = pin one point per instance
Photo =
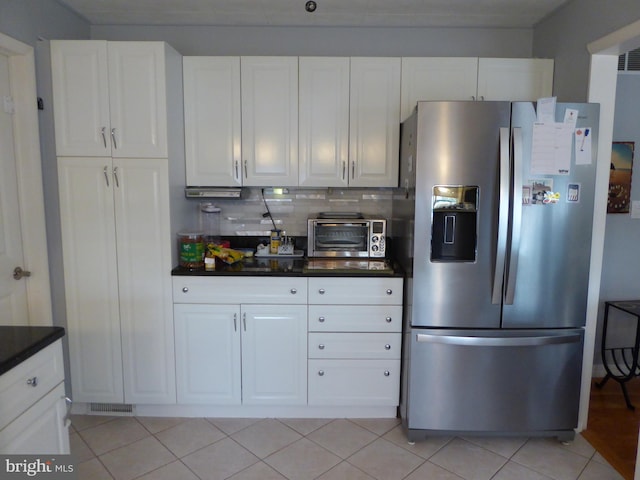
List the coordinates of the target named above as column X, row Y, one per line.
column 513, row 381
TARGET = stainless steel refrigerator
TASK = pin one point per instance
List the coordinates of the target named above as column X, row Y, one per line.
column 492, row 224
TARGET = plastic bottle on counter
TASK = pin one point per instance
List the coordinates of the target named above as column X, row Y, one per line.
column 191, row 250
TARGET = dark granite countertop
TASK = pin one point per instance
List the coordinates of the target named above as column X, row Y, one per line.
column 17, row 343
column 300, row 267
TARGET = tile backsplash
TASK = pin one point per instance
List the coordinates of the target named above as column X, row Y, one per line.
column 290, row 208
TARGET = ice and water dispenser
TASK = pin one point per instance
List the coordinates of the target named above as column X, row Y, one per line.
column 454, row 223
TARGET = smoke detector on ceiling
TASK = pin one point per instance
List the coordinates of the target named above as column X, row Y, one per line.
column 310, row 6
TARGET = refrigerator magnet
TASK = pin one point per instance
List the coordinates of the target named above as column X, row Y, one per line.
column 573, row 193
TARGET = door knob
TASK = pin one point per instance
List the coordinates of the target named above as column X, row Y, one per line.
column 18, row 273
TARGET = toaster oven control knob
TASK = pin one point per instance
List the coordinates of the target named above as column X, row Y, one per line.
column 374, row 248
column 375, row 239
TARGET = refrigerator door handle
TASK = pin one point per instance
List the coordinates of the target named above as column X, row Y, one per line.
column 503, row 217
column 516, row 216
column 526, row 341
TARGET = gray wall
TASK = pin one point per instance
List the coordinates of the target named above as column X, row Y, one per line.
column 565, row 35
column 482, row 42
column 28, row 20
column 621, row 261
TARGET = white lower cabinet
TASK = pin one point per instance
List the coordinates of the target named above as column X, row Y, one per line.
column 288, row 345
column 354, row 341
column 33, row 409
column 242, row 353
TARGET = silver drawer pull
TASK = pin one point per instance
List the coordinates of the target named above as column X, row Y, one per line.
column 33, row 381
column 320, row 373
column 321, row 319
column 321, row 291
column 387, row 373
column 388, row 319
column 387, row 347
column 185, row 289
column 293, row 291
column 389, row 291
column 321, row 346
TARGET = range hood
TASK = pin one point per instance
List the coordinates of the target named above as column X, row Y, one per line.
column 213, row 192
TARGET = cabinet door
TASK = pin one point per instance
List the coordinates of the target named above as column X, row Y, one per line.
column 137, row 95
column 437, row 78
column 208, row 354
column 144, row 265
column 91, row 278
column 515, row 79
column 324, row 121
column 212, row 120
column 274, row 354
column 80, row 97
column 374, row 130
column 41, row 430
column 270, row 120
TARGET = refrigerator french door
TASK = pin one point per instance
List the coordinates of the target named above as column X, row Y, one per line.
column 497, row 252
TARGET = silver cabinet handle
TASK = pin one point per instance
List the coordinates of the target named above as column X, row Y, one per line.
column 353, row 170
column 235, row 322
column 235, row 163
column 33, row 381
column 246, row 168
column 293, row 291
column 389, row 291
column 113, row 138
column 321, row 373
column 106, row 175
column 19, row 273
column 321, row 346
column 104, row 136
column 321, row 291
column 321, row 319
column 387, row 347
column 387, row 373
column 115, row 176
column 185, row 289
column 244, row 321
column 344, row 169
column 388, row 319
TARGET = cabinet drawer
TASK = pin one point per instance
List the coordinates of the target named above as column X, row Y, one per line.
column 355, row 318
column 354, row 382
column 28, row 382
column 245, row 290
column 355, row 291
column 355, row 345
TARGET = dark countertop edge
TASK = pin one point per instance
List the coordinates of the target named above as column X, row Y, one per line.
column 23, row 352
column 183, row 272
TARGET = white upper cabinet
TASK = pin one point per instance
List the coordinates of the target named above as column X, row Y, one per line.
column 324, row 121
column 109, row 98
column 515, row 79
column 437, row 78
column 269, row 121
column 470, row 78
column 374, row 128
column 212, row 121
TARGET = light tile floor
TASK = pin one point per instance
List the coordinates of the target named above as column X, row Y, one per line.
column 144, row 448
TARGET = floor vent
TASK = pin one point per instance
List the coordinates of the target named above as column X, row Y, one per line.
column 124, row 409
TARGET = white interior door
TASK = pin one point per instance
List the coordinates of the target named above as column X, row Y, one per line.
column 13, row 293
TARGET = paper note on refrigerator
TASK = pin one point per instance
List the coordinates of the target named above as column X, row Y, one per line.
column 551, row 148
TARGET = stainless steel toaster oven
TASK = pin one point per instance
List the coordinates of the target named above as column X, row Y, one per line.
column 346, row 235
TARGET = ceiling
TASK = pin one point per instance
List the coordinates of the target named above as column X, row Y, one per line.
column 341, row 13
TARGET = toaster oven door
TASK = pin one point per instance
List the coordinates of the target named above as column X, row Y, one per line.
column 340, row 239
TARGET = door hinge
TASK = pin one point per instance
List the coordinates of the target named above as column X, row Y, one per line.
column 8, row 105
